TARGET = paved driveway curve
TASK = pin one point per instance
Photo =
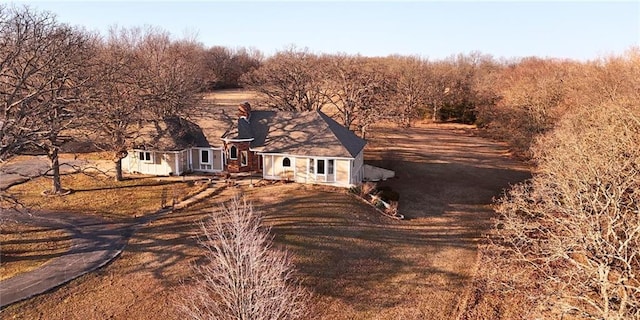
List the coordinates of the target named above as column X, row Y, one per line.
column 95, row 243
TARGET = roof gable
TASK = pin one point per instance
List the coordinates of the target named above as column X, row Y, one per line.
column 349, row 140
column 310, row 133
column 171, row 133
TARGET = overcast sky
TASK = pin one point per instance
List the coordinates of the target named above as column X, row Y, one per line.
column 508, row 29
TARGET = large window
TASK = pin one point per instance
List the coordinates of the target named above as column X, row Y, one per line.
column 145, row 155
column 286, row 162
column 233, row 153
column 321, row 166
column 244, row 158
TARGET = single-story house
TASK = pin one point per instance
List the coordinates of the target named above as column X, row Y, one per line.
column 305, row 147
column 173, row 146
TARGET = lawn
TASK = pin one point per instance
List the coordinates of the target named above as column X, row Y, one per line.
column 357, row 263
column 101, row 195
column 25, row 247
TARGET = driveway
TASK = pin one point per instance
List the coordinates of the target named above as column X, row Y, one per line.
column 95, row 243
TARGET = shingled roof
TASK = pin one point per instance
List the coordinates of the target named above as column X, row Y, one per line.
column 171, row 134
column 311, row 133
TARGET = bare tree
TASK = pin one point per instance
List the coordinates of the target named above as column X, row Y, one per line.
column 532, row 98
column 245, row 277
column 225, row 66
column 612, row 79
column 144, row 76
column 169, row 82
column 42, row 81
column 291, row 80
column 117, row 100
column 411, row 91
column 359, row 89
column 575, row 225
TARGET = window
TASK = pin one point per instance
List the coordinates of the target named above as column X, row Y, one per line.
column 286, row 162
column 233, row 152
column 320, row 166
column 244, row 158
column 204, row 156
column 145, row 155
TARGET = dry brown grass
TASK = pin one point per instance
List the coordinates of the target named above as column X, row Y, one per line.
column 144, row 282
column 362, row 265
column 233, row 97
column 358, row 263
column 24, row 248
column 101, row 195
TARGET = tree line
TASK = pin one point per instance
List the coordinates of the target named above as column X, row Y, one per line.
column 509, row 99
column 566, row 243
column 57, row 78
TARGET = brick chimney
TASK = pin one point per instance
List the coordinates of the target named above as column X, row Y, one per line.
column 244, row 110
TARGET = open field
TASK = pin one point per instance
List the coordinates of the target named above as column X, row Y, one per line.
column 358, row 264
column 232, row 97
column 361, row 265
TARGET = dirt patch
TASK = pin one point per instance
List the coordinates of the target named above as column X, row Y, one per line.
column 358, row 263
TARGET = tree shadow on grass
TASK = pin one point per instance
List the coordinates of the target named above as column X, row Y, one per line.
column 346, row 250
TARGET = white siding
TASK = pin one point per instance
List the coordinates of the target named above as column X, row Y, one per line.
column 300, row 170
column 214, row 163
column 274, row 169
column 161, row 163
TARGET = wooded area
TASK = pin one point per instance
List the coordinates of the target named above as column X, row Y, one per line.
column 575, row 227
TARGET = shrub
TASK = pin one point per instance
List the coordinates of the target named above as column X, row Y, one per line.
column 392, row 210
column 366, row 189
column 245, row 277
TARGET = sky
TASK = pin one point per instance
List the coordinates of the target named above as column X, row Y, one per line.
column 580, row 30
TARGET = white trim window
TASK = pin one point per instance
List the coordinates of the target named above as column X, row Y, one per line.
column 145, row 156
column 244, row 158
column 233, row 152
column 205, row 156
column 286, row 163
column 321, row 166
column 206, row 159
